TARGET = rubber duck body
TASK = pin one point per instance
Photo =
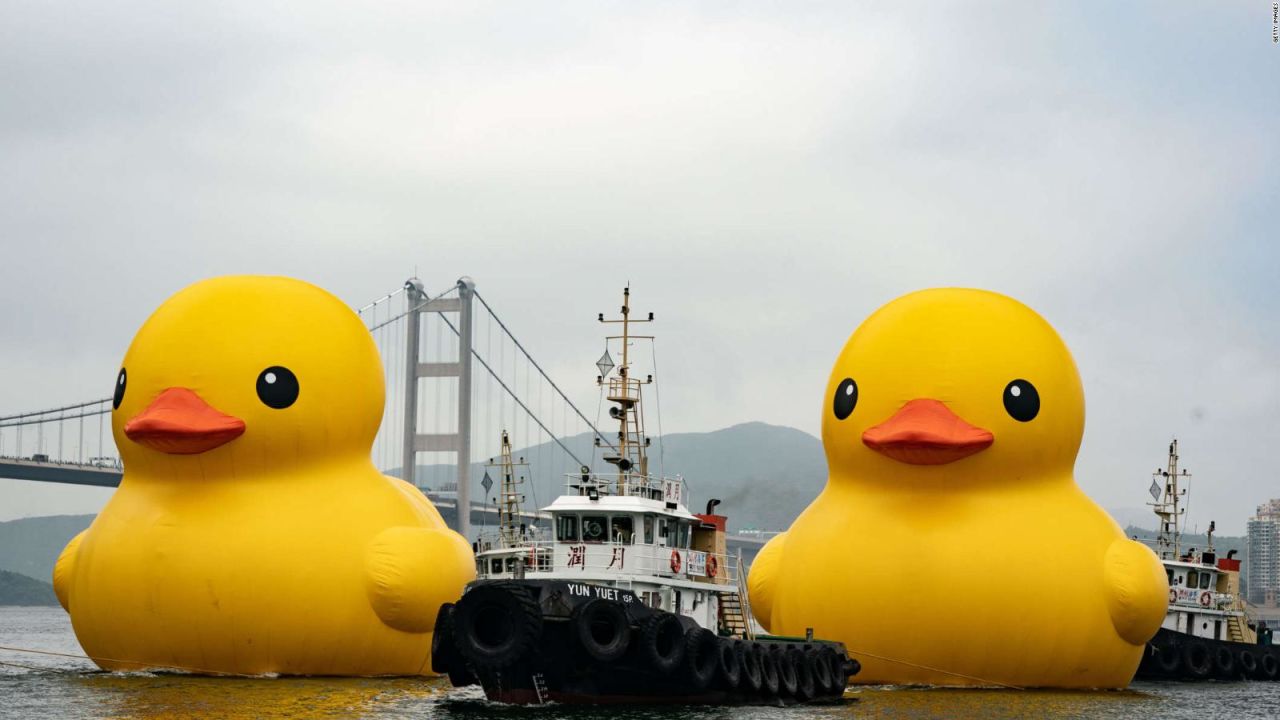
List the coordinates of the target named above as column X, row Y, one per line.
column 251, row 533
column 951, row 544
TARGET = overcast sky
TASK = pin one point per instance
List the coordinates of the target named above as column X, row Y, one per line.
column 771, row 173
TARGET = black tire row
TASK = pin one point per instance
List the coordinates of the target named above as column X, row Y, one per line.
column 1196, row 659
column 499, row 626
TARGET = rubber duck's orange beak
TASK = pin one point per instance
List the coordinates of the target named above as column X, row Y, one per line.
column 178, row 422
column 926, row 432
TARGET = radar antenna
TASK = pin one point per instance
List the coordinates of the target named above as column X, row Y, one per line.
column 1166, row 505
column 510, row 501
column 632, row 458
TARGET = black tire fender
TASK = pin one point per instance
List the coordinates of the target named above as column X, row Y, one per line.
column 805, row 687
column 662, row 643
column 701, row 658
column 787, row 681
column 750, row 665
column 1196, row 659
column 443, row 651
column 822, row 680
column 1268, row 666
column 728, row 669
column 1167, row 658
column 1224, row 662
column 835, row 667
column 601, row 629
column 1248, row 663
column 768, row 670
column 496, row 626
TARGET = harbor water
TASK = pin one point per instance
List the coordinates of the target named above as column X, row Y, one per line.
column 58, row 686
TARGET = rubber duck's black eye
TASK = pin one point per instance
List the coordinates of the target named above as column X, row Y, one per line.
column 118, row 397
column 1021, row 400
column 277, row 387
column 846, row 397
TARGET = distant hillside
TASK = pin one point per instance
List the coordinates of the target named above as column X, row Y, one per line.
column 18, row 589
column 30, row 546
column 763, row 474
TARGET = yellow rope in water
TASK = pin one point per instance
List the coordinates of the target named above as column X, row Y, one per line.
column 139, row 665
column 27, row 667
column 938, row 670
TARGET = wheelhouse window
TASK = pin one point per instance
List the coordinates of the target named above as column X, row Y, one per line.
column 1193, row 578
column 622, row 529
column 567, row 528
column 668, row 529
column 683, row 540
column 1204, row 580
column 594, row 528
column 648, row 529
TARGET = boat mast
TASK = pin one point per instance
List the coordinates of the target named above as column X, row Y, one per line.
column 510, row 500
column 1166, row 505
column 632, row 458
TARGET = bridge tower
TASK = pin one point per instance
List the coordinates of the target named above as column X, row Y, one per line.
column 458, row 442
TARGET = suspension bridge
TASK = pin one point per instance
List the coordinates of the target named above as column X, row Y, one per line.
column 457, row 377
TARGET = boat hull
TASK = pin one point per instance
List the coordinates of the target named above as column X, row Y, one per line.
column 535, row 642
column 1172, row 655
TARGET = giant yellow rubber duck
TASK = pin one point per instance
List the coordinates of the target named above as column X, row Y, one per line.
column 251, row 533
column 951, row 544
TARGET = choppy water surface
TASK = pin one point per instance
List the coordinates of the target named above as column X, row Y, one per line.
column 36, row 686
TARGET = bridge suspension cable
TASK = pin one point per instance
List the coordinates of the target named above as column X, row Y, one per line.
column 422, row 357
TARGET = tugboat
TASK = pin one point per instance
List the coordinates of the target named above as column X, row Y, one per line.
column 1207, row 632
column 627, row 598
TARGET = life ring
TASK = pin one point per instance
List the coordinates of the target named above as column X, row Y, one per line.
column 712, row 566
column 675, row 561
column 1205, row 599
column 1173, row 596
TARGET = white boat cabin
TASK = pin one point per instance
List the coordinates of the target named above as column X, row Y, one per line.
column 1203, row 596
column 626, row 531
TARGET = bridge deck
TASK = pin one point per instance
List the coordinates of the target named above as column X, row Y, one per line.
column 59, row 472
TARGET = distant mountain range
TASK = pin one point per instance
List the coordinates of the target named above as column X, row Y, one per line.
column 764, row 475
column 30, row 546
column 18, row 589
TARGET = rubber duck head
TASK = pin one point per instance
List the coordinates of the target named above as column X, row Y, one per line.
column 246, row 375
column 953, row 386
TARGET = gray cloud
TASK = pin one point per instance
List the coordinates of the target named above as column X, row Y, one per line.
column 773, row 175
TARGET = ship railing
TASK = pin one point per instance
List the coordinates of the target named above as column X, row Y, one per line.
column 653, row 560
column 502, row 540
column 716, row 570
column 627, row 484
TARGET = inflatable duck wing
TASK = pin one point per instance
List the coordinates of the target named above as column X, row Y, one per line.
column 951, row 544
column 251, row 532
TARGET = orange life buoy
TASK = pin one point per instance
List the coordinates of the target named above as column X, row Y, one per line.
column 712, row 566
column 675, row 561
column 1205, row 598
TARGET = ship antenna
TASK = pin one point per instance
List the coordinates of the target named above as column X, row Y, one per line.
column 510, row 501
column 1166, row 505
column 632, row 459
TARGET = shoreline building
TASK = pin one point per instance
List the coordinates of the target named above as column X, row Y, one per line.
column 1264, row 555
